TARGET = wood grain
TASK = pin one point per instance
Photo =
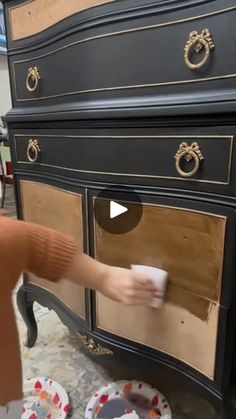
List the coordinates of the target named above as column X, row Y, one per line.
column 61, row 210
column 187, row 244
column 172, row 330
column 35, row 16
column 190, row 246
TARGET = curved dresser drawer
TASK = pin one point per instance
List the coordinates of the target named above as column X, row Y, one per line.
column 153, row 56
column 172, row 160
column 34, row 16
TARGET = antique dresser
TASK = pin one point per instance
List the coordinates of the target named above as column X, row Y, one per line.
column 117, row 93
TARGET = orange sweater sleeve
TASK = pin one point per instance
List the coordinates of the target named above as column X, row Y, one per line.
column 24, row 247
column 32, row 248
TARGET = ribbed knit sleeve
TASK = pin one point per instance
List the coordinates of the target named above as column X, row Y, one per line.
column 33, row 248
column 24, row 247
column 50, row 252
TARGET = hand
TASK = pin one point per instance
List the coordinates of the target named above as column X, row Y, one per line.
column 128, row 287
column 122, row 285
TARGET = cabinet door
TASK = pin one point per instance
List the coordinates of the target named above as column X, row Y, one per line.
column 62, row 210
column 189, row 244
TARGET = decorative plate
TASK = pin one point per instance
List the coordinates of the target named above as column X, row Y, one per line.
column 128, row 400
column 44, row 399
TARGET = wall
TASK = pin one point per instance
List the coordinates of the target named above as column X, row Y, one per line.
column 5, row 96
column 5, row 99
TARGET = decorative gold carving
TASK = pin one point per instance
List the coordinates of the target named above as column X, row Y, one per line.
column 93, row 347
column 33, row 151
column 33, row 78
column 188, row 153
column 198, row 41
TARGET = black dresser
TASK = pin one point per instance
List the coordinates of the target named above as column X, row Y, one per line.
column 110, row 94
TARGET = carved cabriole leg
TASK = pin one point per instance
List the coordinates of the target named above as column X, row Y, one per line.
column 25, row 306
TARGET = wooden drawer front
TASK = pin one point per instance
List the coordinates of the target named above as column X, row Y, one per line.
column 190, row 246
column 33, row 17
column 171, row 330
column 49, row 206
column 141, row 60
column 137, row 157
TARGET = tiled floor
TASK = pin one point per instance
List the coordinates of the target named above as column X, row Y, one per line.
column 9, row 207
column 60, row 356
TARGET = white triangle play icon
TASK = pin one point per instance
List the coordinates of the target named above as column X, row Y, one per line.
column 116, row 209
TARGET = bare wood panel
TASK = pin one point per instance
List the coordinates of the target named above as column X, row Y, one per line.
column 189, row 245
column 172, row 330
column 34, row 16
column 61, row 210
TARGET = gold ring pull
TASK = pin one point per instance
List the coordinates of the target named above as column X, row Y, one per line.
column 188, row 153
column 33, row 151
column 198, row 41
column 33, row 78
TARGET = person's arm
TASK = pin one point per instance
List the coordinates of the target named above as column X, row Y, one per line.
column 119, row 284
column 54, row 256
column 51, row 255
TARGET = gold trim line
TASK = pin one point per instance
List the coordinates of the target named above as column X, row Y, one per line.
column 138, row 86
column 229, row 137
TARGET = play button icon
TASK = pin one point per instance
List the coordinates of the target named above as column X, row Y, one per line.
column 117, row 211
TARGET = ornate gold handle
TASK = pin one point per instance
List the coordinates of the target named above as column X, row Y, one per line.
column 33, row 78
column 198, row 41
column 33, row 151
column 188, row 153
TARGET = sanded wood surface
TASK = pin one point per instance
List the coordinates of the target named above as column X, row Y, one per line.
column 33, row 17
column 187, row 244
column 61, row 210
column 172, row 330
column 190, row 246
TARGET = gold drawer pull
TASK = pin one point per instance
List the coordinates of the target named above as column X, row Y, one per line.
column 198, row 41
column 33, row 78
column 188, row 153
column 33, row 151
